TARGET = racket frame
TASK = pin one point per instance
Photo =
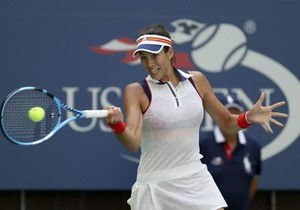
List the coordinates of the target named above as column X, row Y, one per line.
column 77, row 114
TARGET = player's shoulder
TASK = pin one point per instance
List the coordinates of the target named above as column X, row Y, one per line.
column 135, row 86
column 196, row 74
column 199, row 79
column 133, row 89
column 193, row 72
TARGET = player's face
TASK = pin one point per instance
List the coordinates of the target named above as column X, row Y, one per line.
column 157, row 65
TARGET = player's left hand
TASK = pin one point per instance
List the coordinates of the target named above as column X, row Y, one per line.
column 264, row 114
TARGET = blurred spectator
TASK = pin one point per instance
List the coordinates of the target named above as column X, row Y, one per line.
column 234, row 161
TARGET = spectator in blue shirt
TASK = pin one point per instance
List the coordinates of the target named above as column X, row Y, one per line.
column 234, row 160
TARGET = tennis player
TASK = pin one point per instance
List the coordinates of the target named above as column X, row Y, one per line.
column 163, row 117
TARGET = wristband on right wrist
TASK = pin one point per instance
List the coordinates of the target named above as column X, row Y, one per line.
column 118, row 127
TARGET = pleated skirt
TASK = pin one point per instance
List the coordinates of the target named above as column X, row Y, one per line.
column 188, row 187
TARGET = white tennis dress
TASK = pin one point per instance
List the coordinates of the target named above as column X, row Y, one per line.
column 170, row 173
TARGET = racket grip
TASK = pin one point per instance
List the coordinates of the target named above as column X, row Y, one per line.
column 95, row 113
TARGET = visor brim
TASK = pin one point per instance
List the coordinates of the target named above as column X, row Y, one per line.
column 151, row 48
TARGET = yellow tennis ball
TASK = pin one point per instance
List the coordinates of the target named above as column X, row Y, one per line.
column 36, row 114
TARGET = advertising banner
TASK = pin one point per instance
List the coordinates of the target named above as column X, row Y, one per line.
column 82, row 53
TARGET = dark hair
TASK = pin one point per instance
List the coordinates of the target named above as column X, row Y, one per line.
column 156, row 29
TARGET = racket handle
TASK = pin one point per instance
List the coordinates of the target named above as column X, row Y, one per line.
column 95, row 113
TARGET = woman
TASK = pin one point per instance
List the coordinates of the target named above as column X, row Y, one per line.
column 163, row 117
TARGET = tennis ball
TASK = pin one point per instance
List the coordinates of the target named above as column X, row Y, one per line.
column 36, row 114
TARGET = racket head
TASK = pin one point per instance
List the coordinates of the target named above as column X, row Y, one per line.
column 15, row 122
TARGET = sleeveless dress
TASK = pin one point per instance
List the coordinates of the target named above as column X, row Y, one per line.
column 170, row 173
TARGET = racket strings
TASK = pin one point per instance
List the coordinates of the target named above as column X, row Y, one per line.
column 16, row 122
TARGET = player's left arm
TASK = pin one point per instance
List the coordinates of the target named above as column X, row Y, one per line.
column 211, row 104
column 228, row 122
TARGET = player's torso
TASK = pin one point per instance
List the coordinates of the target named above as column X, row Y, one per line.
column 171, row 126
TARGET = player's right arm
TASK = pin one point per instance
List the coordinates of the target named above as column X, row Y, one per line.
column 134, row 98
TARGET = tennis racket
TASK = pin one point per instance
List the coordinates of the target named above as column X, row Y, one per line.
column 17, row 124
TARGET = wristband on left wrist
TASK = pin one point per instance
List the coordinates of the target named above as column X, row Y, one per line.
column 242, row 120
